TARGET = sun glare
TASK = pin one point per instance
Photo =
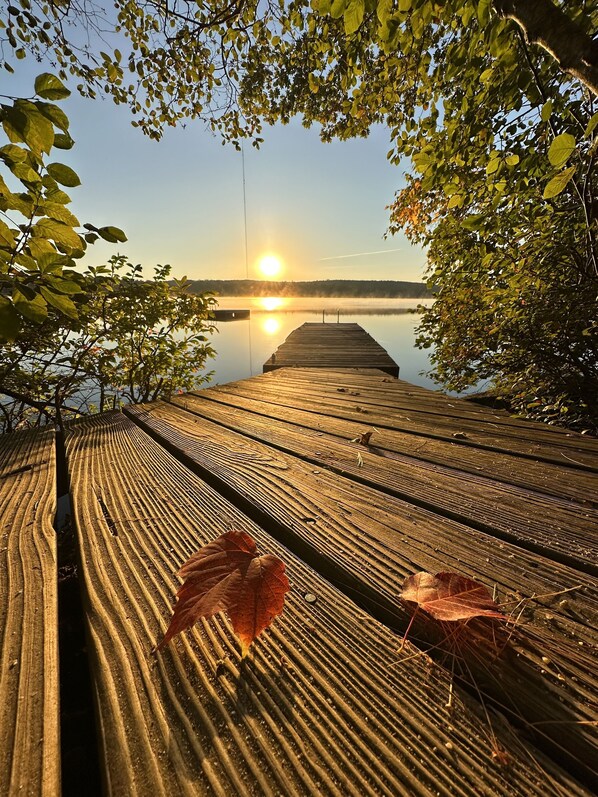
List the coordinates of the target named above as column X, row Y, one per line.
column 271, row 325
column 270, row 303
column 270, row 265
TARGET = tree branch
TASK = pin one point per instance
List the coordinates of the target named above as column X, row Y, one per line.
column 545, row 24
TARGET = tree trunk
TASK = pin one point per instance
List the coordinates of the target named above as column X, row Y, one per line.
column 545, row 24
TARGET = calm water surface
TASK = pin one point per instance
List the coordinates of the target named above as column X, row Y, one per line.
column 244, row 346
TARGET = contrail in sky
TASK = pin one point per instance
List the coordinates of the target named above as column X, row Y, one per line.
column 358, row 254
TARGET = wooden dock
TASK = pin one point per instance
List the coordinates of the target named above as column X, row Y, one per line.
column 332, row 700
column 230, row 315
column 331, row 346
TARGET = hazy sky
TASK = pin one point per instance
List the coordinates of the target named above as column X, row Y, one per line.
column 320, row 208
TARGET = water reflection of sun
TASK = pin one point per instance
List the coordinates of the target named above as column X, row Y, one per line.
column 270, row 303
column 271, row 325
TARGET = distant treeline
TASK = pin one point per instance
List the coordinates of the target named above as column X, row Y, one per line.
column 361, row 289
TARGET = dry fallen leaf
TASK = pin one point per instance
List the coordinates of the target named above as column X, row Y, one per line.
column 228, row 575
column 449, row 596
column 363, row 439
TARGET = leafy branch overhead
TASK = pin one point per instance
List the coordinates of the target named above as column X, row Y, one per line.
column 39, row 242
column 489, row 104
column 227, row 575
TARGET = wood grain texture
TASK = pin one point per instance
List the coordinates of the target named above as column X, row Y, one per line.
column 331, row 346
column 521, row 469
column 567, row 531
column 321, row 706
column 368, row 542
column 29, row 725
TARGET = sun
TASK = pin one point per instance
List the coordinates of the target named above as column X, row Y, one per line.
column 270, row 265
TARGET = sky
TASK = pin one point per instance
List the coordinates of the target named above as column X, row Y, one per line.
column 320, row 209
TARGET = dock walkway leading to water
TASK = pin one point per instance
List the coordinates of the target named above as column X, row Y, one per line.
column 331, row 346
column 332, row 700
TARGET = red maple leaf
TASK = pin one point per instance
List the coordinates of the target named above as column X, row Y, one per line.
column 450, row 597
column 227, row 575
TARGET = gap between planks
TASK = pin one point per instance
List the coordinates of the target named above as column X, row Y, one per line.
column 337, row 718
column 357, row 541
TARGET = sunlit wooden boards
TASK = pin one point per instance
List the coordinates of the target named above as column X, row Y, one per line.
column 543, row 498
column 29, row 720
column 368, row 541
column 323, row 705
column 331, row 346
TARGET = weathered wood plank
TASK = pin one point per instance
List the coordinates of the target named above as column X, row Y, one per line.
column 29, row 729
column 369, row 541
column 446, row 413
column 576, row 453
column 319, row 707
column 329, row 346
column 566, row 532
column 579, row 484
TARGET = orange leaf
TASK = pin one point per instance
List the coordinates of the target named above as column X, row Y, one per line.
column 449, row 596
column 227, row 575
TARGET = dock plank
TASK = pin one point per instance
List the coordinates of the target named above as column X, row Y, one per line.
column 29, row 730
column 406, row 395
column 441, row 417
column 581, row 484
column 331, row 346
column 319, row 707
column 370, row 541
column 565, row 531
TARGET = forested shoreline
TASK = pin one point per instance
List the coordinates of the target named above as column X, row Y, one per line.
column 362, row 289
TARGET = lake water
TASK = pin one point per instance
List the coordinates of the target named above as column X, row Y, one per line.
column 243, row 346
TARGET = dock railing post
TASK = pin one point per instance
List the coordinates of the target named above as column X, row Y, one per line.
column 323, row 316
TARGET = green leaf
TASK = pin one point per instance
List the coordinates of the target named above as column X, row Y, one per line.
column 492, row 165
column 34, row 309
column 23, row 123
column 353, row 16
column 64, row 285
column 384, row 10
column 39, row 248
column 59, row 212
column 512, row 160
column 10, row 323
column 591, row 126
column 338, row 8
column 37, row 132
column 546, row 111
column 56, row 231
column 455, row 201
column 560, row 150
column 63, row 174
column 49, row 87
column 321, row 7
column 25, row 173
column 13, row 153
column 483, row 12
column 63, row 141
column 55, row 114
column 7, row 236
column 56, row 195
column 50, row 262
column 60, row 302
column 112, row 234
column 558, row 183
